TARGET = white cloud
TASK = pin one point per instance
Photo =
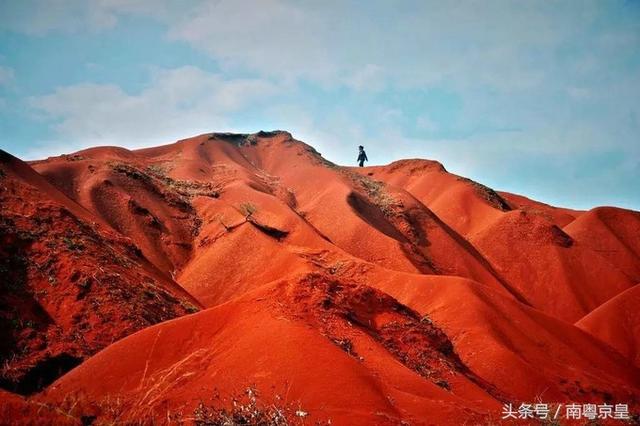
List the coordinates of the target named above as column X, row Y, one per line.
column 177, row 102
column 500, row 44
column 38, row 17
column 466, row 43
column 368, row 78
column 270, row 36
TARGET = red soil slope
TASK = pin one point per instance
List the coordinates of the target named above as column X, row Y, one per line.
column 555, row 273
column 559, row 216
column 523, row 240
column 617, row 323
column 523, row 352
column 462, row 203
column 176, row 200
column 134, row 197
column 16, row 409
column 613, row 234
column 499, row 338
column 378, row 295
column 373, row 360
column 70, row 285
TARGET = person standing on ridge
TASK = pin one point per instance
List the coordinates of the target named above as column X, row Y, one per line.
column 362, row 156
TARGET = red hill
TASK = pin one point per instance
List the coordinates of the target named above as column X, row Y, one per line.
column 378, row 295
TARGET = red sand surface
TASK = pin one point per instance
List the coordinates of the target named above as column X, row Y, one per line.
column 617, row 322
column 398, row 294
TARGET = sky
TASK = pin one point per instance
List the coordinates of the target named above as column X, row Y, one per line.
column 539, row 98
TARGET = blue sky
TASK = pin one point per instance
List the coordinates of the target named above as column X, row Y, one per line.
column 534, row 97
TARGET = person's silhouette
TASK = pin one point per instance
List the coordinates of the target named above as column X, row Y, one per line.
column 362, row 156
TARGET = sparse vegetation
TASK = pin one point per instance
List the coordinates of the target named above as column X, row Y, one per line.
column 21, row 323
column 156, row 176
column 27, row 235
column 380, row 197
column 426, row 320
column 336, row 267
column 79, row 274
column 488, row 194
column 192, row 309
column 247, row 209
column 377, row 194
column 247, row 410
column 193, row 188
column 247, row 139
column 196, row 226
column 73, row 244
column 235, row 138
column 157, row 170
column 345, row 344
column 129, row 170
column 73, row 157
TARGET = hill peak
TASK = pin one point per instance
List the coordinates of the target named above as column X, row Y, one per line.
column 249, row 138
